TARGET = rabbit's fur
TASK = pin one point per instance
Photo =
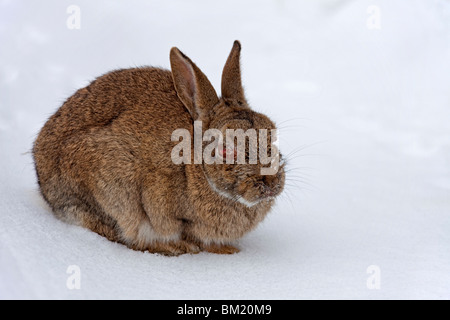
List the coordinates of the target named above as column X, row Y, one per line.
column 103, row 160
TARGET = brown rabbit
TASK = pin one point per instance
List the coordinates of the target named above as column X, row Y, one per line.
column 103, row 160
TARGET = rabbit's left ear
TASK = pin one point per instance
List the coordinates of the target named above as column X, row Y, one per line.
column 192, row 86
column 231, row 75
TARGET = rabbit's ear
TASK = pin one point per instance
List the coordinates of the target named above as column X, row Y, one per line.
column 192, row 86
column 231, row 75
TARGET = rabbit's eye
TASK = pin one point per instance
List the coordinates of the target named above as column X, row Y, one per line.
column 224, row 152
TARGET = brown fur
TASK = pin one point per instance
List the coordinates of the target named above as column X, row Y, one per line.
column 103, row 160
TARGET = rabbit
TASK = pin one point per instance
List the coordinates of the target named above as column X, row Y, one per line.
column 103, row 160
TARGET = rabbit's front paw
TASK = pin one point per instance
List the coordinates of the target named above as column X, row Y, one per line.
column 174, row 248
column 220, row 248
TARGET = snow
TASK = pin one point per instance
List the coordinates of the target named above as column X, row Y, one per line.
column 363, row 99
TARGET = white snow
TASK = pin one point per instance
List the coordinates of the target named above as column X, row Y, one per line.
column 368, row 109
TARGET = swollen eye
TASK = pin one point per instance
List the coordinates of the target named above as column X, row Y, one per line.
column 224, row 152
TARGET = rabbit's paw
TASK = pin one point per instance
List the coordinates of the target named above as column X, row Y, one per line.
column 220, row 248
column 174, row 248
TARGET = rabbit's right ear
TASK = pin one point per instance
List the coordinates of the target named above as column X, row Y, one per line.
column 192, row 86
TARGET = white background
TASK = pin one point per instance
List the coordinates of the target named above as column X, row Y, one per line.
column 365, row 111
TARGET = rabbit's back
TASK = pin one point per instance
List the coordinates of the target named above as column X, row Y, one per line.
column 107, row 97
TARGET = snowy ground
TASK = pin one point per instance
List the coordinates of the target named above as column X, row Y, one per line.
column 361, row 88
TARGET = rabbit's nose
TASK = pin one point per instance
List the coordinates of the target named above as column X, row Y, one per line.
column 271, row 180
column 271, row 185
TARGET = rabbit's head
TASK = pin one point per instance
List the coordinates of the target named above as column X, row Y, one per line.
column 246, row 166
